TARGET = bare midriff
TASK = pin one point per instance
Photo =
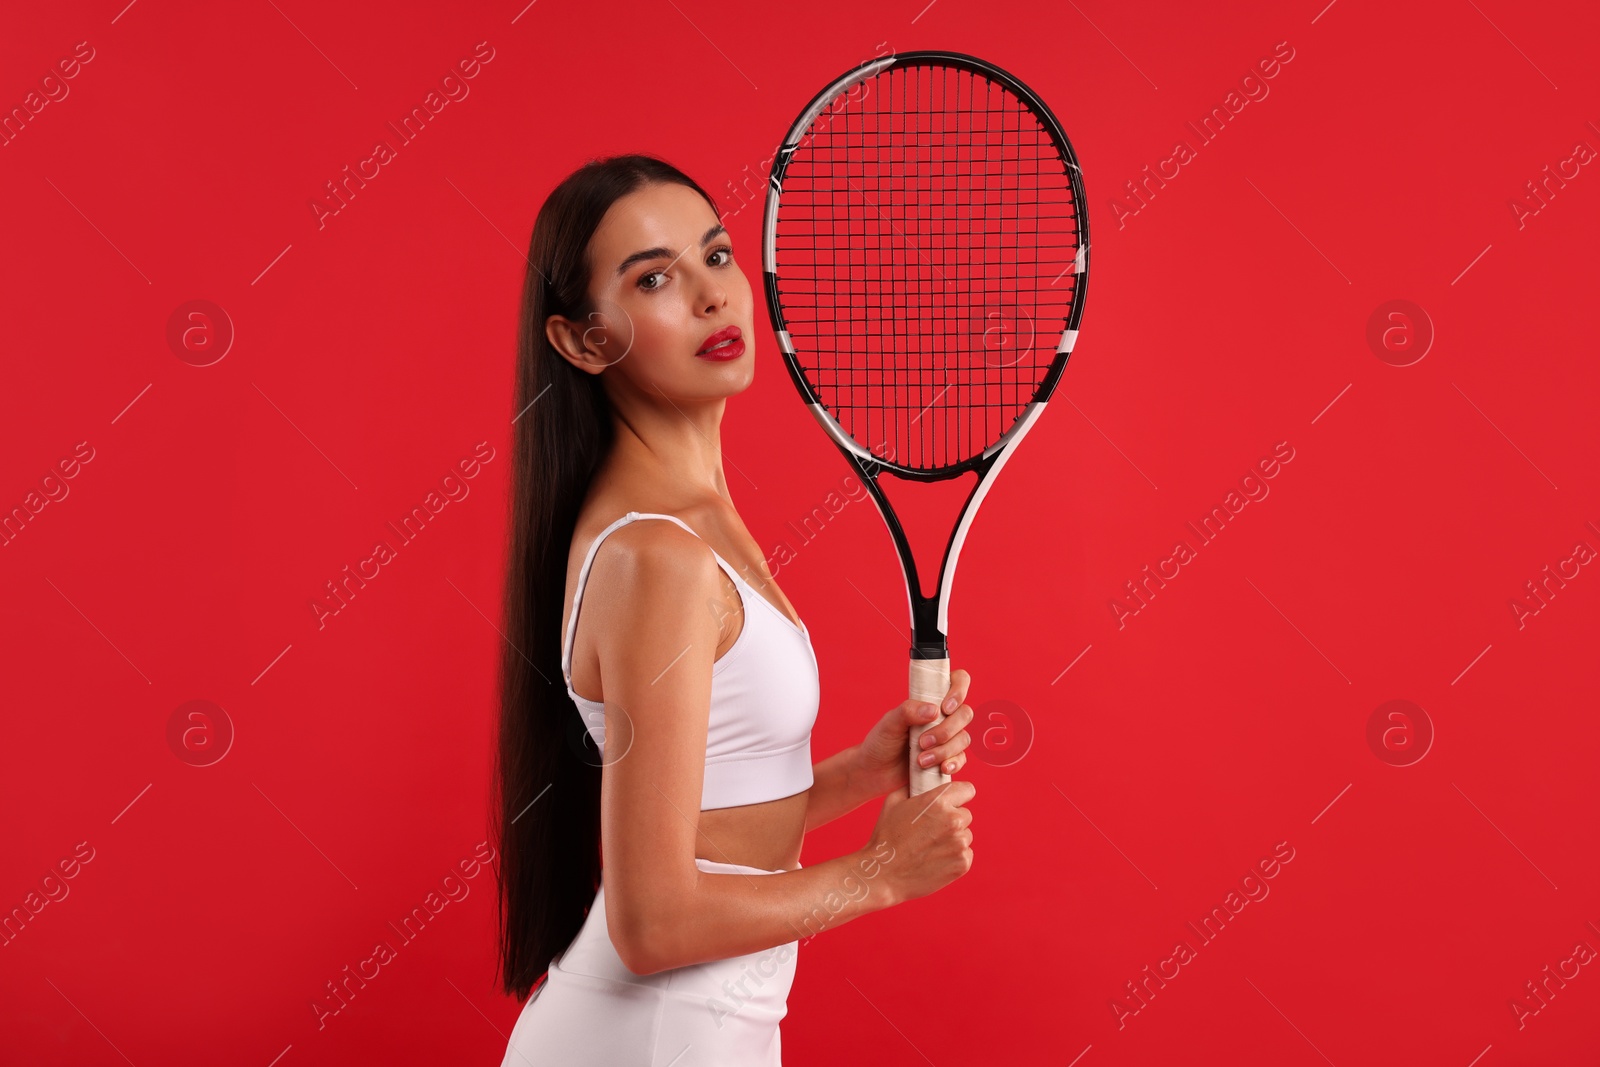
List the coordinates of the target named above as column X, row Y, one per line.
column 765, row 835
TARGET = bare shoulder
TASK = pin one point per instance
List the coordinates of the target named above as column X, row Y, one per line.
column 654, row 600
column 651, row 563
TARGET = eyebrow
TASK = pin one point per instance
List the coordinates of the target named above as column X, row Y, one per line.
column 662, row 253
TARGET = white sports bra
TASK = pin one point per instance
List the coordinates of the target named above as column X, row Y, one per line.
column 765, row 691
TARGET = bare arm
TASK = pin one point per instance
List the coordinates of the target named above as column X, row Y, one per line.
column 649, row 596
column 836, row 790
column 879, row 765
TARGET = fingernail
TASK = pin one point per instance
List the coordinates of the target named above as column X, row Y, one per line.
column 950, row 705
column 929, row 711
column 926, row 759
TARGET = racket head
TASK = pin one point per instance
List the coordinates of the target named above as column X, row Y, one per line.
column 925, row 255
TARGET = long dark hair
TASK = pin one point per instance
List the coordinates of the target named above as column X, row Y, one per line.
column 547, row 814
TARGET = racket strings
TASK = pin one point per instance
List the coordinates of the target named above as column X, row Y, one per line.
column 925, row 242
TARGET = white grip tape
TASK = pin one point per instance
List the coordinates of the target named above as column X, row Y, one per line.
column 930, row 680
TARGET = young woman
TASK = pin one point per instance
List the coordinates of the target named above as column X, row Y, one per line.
column 633, row 580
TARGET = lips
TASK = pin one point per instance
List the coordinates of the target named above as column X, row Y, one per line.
column 727, row 333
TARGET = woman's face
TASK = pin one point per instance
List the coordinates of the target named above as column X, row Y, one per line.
column 663, row 280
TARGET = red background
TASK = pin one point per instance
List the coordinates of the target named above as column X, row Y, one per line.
column 1231, row 714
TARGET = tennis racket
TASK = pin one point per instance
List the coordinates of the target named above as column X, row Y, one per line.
column 925, row 253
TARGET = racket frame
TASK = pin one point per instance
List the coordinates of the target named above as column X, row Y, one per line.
column 929, row 615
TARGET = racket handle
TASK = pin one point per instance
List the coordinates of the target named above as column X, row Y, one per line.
column 930, row 681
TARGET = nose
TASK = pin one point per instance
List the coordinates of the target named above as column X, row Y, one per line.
column 713, row 294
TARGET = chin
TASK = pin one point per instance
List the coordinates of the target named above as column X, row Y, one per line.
column 741, row 377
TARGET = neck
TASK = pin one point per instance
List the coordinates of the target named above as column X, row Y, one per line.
column 673, row 445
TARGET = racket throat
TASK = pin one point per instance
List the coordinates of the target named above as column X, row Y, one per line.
column 927, row 641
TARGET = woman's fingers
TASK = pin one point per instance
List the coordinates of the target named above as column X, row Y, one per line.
column 954, row 748
column 950, row 741
column 957, row 693
column 944, row 745
column 946, row 730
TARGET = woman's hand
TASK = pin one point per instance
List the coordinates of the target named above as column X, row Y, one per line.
column 881, row 759
column 923, row 842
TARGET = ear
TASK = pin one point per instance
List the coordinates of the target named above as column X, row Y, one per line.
column 572, row 341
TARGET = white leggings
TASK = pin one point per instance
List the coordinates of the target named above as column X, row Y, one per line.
column 592, row 1010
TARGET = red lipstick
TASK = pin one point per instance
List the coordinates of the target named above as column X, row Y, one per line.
column 731, row 341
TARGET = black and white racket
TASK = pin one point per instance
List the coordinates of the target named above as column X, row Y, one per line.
column 925, row 251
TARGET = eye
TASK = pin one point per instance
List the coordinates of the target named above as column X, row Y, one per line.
column 724, row 250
